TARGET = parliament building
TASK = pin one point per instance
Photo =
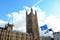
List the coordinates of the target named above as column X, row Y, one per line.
column 32, row 30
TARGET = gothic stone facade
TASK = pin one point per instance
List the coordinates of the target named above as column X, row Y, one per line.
column 32, row 31
column 8, row 34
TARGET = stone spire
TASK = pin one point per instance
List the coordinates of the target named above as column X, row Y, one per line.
column 35, row 13
column 31, row 11
column 26, row 12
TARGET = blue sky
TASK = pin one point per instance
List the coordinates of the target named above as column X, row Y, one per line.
column 8, row 6
column 49, row 12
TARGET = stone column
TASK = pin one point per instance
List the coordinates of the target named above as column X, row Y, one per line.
column 24, row 36
column 20, row 36
column 31, row 37
column 4, row 34
column 1, row 34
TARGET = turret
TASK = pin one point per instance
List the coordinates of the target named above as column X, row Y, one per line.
column 26, row 12
column 31, row 11
column 9, row 27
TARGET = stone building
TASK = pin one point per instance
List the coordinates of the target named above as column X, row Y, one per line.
column 56, row 35
column 32, row 31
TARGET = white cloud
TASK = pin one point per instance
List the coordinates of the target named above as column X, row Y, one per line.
column 9, row 16
column 19, row 20
column 2, row 23
column 53, row 23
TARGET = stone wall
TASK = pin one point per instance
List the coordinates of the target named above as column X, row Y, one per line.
column 14, row 35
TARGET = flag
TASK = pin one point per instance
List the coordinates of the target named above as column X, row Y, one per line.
column 47, row 31
column 44, row 27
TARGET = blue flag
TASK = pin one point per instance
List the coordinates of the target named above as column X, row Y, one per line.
column 44, row 27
